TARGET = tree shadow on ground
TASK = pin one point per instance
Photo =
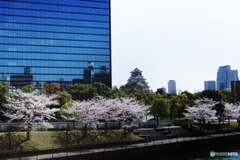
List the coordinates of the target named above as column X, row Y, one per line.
column 91, row 137
column 12, row 141
column 73, row 138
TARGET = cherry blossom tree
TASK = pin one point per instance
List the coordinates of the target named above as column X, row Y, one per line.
column 31, row 109
column 131, row 112
column 87, row 112
column 124, row 110
column 232, row 111
column 201, row 111
column 127, row 111
column 108, row 110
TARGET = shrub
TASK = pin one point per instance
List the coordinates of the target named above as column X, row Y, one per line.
column 169, row 124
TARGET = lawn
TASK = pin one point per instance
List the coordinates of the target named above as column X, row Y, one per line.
column 216, row 126
column 54, row 139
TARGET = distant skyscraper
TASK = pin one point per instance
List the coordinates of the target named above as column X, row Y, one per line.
column 172, row 87
column 224, row 77
column 209, row 85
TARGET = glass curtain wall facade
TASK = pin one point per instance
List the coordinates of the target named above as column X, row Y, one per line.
column 172, row 87
column 224, row 77
column 209, row 85
column 63, row 41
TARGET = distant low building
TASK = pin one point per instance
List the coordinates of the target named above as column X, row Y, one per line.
column 3, row 78
column 136, row 76
column 103, row 76
column 161, row 90
column 21, row 80
column 209, row 85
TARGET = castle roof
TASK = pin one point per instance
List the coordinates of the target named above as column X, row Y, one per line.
column 136, row 70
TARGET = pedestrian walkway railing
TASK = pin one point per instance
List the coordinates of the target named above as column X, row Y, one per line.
column 78, row 150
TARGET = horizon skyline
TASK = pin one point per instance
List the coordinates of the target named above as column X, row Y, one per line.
column 182, row 40
column 179, row 90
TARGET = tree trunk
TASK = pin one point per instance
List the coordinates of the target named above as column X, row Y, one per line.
column 223, row 118
column 106, row 126
column 9, row 139
column 85, row 130
column 172, row 115
column 200, row 125
column 157, row 121
column 28, row 130
column 124, row 132
column 28, row 135
column 73, row 124
column 66, row 135
column 119, row 124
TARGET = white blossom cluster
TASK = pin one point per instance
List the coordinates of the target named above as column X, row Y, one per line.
column 31, row 109
column 231, row 110
column 202, row 110
column 92, row 112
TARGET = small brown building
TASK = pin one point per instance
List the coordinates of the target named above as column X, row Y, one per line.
column 235, row 90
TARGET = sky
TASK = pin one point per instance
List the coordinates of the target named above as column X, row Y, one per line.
column 181, row 40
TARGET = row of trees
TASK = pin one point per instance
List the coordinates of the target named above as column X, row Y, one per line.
column 162, row 105
column 204, row 110
column 33, row 109
column 127, row 111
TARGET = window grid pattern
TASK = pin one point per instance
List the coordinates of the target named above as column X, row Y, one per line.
column 57, row 40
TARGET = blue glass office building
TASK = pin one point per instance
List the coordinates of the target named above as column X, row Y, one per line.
column 63, row 41
column 224, row 77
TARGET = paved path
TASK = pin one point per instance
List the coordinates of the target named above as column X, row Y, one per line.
column 158, row 142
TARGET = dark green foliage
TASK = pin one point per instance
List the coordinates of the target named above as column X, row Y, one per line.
column 116, row 93
column 212, row 94
column 3, row 94
column 131, row 88
column 160, row 107
column 102, row 89
column 179, row 103
column 64, row 99
column 227, row 96
column 82, row 91
column 27, row 89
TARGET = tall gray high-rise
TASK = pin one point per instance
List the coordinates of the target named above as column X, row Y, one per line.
column 172, row 87
column 224, row 77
